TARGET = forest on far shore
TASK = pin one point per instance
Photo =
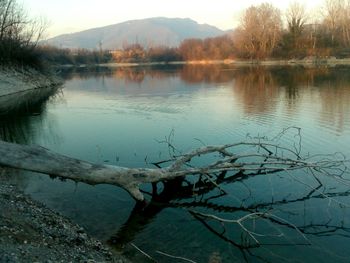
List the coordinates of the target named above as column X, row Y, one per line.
column 264, row 32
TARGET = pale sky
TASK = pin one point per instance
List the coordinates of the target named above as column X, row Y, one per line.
column 68, row 16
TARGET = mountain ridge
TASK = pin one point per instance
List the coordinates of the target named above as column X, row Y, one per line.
column 155, row 31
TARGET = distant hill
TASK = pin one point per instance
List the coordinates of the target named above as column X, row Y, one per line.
column 147, row 32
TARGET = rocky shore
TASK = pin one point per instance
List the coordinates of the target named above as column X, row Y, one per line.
column 30, row 232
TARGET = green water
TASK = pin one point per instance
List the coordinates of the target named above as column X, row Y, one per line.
column 120, row 116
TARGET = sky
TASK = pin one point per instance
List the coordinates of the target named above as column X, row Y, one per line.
column 68, row 16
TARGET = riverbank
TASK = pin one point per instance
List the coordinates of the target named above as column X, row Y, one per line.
column 14, row 81
column 22, row 87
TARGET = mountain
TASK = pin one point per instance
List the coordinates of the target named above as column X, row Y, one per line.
column 147, row 32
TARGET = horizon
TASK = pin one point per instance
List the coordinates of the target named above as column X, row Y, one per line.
column 224, row 14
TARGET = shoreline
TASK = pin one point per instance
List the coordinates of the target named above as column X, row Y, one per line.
column 31, row 232
column 291, row 62
column 14, row 81
column 21, row 88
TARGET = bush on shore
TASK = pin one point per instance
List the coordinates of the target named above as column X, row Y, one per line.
column 19, row 35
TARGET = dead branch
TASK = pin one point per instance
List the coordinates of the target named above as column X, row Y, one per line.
column 256, row 215
column 253, row 156
column 175, row 257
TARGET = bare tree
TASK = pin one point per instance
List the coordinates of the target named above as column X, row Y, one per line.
column 259, row 31
column 296, row 18
column 345, row 23
column 19, row 33
column 336, row 20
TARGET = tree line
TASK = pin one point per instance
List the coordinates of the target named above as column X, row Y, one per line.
column 264, row 32
column 217, row 48
column 64, row 56
column 261, row 33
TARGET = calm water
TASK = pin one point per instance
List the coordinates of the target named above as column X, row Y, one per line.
column 120, row 116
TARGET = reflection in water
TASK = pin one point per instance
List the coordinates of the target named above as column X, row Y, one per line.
column 335, row 99
column 23, row 119
column 285, row 229
column 257, row 89
column 23, row 113
column 31, row 100
column 115, row 115
column 143, row 214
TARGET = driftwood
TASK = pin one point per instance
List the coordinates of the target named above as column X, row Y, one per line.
column 250, row 156
column 198, row 186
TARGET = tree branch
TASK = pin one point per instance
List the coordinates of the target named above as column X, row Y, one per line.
column 239, row 157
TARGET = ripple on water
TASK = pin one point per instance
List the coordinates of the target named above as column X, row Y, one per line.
column 120, row 120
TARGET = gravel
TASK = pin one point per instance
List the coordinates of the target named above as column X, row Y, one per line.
column 30, row 232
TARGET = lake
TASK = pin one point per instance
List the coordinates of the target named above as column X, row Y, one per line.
column 122, row 116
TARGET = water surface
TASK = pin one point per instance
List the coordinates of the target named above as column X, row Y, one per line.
column 121, row 116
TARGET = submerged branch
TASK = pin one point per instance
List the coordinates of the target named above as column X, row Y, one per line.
column 245, row 157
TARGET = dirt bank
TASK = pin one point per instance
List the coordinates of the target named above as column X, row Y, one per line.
column 22, row 88
column 13, row 81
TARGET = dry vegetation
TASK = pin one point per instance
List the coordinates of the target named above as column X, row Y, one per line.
column 19, row 35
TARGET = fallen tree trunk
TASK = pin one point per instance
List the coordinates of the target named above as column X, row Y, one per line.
column 39, row 159
column 256, row 156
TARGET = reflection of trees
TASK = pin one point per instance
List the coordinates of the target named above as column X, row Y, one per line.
column 21, row 112
column 257, row 89
column 138, row 74
column 23, row 118
column 32, row 100
column 188, row 73
column 202, row 195
column 298, row 76
column 205, row 74
column 131, row 75
column 135, row 74
column 335, row 98
column 85, row 72
column 332, row 87
column 335, row 101
column 239, row 209
column 16, row 129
